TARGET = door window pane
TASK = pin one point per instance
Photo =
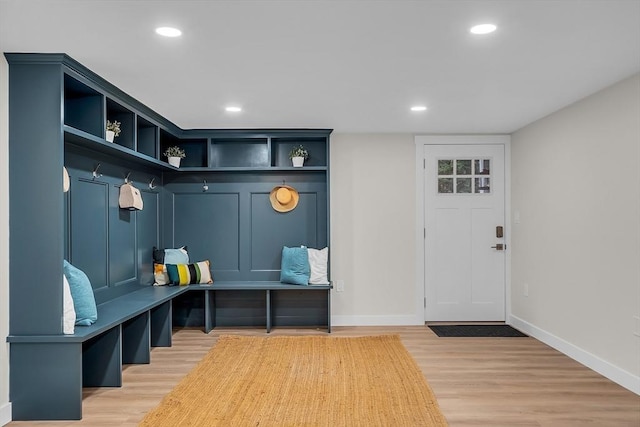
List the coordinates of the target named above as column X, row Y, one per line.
column 445, row 185
column 482, row 185
column 482, row 166
column 464, row 176
column 445, row 167
column 463, row 185
column 463, row 167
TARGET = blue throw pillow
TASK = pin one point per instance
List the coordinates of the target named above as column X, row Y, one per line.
column 295, row 268
column 84, row 301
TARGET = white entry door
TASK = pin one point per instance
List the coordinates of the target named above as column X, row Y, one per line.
column 464, row 232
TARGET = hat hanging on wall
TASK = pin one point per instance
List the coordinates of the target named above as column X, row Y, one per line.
column 284, row 198
column 130, row 197
column 65, row 179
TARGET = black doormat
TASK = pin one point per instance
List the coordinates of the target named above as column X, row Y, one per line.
column 476, row 331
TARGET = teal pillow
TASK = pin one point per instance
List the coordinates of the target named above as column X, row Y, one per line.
column 84, row 301
column 295, row 267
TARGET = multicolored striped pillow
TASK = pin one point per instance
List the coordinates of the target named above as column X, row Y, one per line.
column 189, row 274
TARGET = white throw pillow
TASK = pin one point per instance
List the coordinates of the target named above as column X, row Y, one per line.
column 69, row 311
column 318, row 260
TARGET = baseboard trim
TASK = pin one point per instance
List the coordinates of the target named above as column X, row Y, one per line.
column 604, row 368
column 376, row 320
column 5, row 414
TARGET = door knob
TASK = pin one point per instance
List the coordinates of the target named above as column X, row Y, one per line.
column 499, row 247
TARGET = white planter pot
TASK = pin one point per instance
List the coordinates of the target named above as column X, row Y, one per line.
column 110, row 135
column 298, row 162
column 174, row 161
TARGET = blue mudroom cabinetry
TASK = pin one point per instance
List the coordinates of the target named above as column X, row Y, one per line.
column 216, row 203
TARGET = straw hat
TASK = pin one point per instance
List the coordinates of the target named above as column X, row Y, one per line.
column 284, row 198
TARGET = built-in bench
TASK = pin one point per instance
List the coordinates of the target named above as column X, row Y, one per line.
column 270, row 308
column 54, row 368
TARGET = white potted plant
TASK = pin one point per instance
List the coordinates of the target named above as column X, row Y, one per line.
column 174, row 154
column 298, row 155
column 113, row 130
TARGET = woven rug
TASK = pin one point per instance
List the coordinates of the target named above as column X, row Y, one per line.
column 476, row 331
column 301, row 381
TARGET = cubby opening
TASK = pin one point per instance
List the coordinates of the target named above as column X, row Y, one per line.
column 239, row 152
column 147, row 137
column 116, row 112
column 83, row 107
column 195, row 149
column 316, row 147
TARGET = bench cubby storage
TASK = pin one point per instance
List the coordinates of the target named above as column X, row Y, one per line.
column 254, row 304
column 217, row 203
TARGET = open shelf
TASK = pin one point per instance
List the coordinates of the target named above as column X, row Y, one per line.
column 315, row 146
column 116, row 112
column 147, row 137
column 239, row 152
column 83, row 107
column 83, row 139
column 195, row 149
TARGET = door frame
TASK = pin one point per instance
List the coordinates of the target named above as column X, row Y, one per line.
column 420, row 142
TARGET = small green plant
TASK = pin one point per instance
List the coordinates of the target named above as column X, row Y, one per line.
column 298, row 151
column 174, row 151
column 114, row 127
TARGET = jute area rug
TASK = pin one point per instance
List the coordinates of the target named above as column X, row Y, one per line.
column 302, row 381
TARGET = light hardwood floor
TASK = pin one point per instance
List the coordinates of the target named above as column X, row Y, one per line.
column 478, row 381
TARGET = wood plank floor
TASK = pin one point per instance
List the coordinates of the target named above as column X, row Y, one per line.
column 478, row 381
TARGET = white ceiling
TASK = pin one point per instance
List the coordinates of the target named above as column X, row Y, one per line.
column 354, row 66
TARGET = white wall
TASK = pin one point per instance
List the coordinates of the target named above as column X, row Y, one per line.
column 373, row 228
column 5, row 412
column 576, row 187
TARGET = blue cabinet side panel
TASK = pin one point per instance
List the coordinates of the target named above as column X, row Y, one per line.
column 46, row 381
column 36, row 203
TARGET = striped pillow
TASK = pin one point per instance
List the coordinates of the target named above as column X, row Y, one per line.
column 189, row 274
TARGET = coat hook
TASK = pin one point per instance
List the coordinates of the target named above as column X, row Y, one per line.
column 152, row 186
column 205, row 187
column 95, row 172
column 126, row 178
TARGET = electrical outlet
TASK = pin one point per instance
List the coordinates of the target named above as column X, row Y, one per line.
column 340, row 285
column 525, row 289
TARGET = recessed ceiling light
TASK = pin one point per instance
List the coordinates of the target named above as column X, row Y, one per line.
column 483, row 29
column 168, row 31
column 233, row 109
column 418, row 108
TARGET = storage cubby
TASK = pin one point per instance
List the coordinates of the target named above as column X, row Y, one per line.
column 116, row 112
column 316, row 147
column 239, row 152
column 83, row 107
column 195, row 149
column 147, row 134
